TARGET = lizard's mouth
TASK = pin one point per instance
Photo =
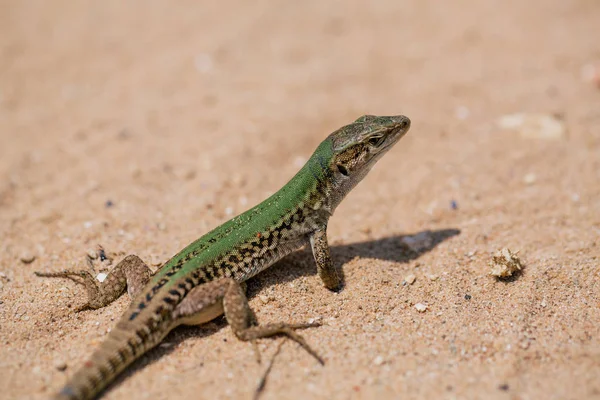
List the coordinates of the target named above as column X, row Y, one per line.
column 394, row 136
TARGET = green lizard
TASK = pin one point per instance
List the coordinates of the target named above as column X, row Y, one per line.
column 205, row 279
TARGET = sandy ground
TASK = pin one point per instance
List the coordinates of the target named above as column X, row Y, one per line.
column 182, row 116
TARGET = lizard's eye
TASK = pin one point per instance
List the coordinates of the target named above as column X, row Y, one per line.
column 376, row 141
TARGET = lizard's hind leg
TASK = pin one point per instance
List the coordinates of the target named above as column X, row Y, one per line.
column 212, row 299
column 131, row 272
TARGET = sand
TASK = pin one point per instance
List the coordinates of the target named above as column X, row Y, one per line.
column 142, row 127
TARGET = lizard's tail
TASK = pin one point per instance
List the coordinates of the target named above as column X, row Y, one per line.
column 124, row 344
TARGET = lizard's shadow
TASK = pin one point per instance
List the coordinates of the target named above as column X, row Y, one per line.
column 298, row 264
column 391, row 248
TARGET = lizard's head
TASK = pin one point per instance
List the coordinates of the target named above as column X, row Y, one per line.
column 357, row 146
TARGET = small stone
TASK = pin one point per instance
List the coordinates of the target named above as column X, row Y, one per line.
column 109, row 204
column 504, row 387
column 228, row 211
column 92, row 254
column 530, row 178
column 453, row 205
column 264, row 299
column 378, row 360
column 419, row 242
column 505, row 263
column 410, row 279
column 433, row 277
column 421, row 307
column 203, row 62
column 101, row 276
column 534, row 126
column 27, row 257
column 467, row 296
column 60, row 365
column 575, row 197
column 543, row 304
column 87, row 224
column 462, row 112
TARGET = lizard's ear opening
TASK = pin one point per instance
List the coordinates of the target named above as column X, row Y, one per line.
column 342, row 169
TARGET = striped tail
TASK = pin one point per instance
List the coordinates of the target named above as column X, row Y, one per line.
column 125, row 343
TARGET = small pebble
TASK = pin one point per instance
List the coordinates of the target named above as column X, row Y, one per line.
column 419, row 242
column 529, row 179
column 433, row 277
column 504, row 387
column 505, row 263
column 467, row 296
column 543, row 304
column 60, row 365
column 454, row 204
column 109, row 204
column 101, row 276
column 92, row 255
column 27, row 257
column 203, row 62
column 534, row 126
column 462, row 112
column 378, row 360
column 264, row 299
column 421, row 307
column 410, row 279
column 575, row 197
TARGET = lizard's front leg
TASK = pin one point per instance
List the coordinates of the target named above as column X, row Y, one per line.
column 225, row 295
column 325, row 268
column 131, row 272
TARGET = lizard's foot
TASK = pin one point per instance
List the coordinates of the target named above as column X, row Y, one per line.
column 209, row 300
column 131, row 272
column 268, row 330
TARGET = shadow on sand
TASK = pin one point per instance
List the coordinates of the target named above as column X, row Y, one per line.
column 296, row 265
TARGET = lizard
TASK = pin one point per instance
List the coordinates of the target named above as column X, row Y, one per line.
column 207, row 278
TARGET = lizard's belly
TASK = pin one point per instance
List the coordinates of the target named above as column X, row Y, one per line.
column 208, row 314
